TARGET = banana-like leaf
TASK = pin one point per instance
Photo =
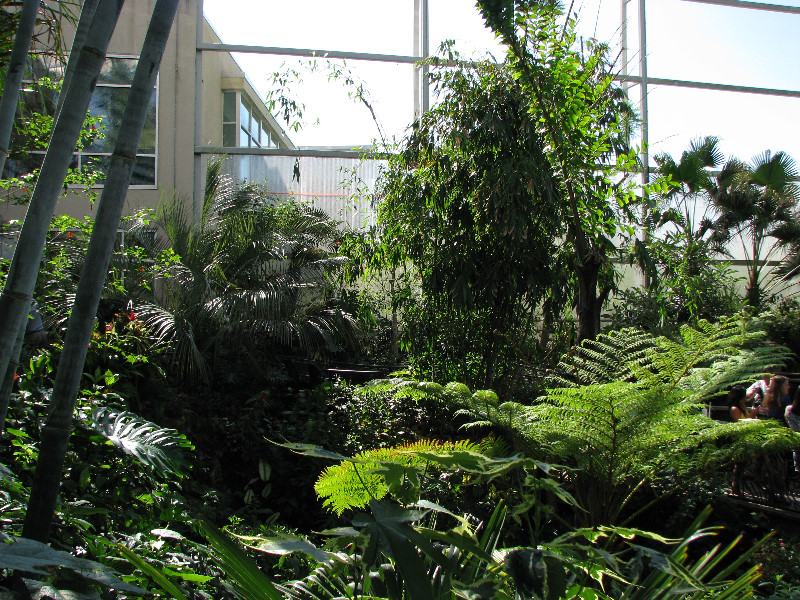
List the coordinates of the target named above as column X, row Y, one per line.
column 158, row 448
column 28, row 555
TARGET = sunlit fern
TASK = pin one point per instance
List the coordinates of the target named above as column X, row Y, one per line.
column 627, row 412
column 353, row 484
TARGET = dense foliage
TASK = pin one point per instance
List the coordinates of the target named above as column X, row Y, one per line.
column 214, row 456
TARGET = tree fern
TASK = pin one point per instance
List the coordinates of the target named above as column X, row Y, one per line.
column 352, row 484
column 627, row 412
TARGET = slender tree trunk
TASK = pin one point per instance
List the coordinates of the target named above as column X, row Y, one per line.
column 11, row 373
column 15, row 301
column 85, row 21
column 56, row 432
column 16, row 70
column 81, row 32
column 589, row 302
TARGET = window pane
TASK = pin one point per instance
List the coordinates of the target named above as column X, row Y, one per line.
column 144, row 171
column 118, row 71
column 229, row 107
column 244, row 117
column 244, row 139
column 17, row 166
column 229, row 134
column 109, row 105
column 147, row 143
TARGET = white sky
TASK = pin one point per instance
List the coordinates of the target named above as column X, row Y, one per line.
column 686, row 40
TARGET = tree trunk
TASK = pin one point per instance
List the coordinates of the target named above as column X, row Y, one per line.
column 15, row 300
column 11, row 373
column 589, row 302
column 87, row 14
column 81, row 31
column 56, row 432
column 16, row 70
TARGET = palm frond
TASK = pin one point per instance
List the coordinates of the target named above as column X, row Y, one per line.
column 161, row 449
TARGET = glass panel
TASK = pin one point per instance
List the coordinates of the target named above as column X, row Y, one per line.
column 19, row 165
column 258, row 132
column 109, row 104
column 229, row 107
column 244, row 116
column 342, row 122
column 722, row 44
column 118, row 71
column 244, row 138
column 144, row 171
column 147, row 143
column 679, row 115
column 355, row 25
column 460, row 21
column 229, row 135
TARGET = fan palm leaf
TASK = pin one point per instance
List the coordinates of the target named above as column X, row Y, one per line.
column 160, row 449
column 251, row 270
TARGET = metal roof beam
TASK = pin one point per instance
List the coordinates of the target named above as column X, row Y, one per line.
column 708, row 86
column 309, row 53
column 754, row 5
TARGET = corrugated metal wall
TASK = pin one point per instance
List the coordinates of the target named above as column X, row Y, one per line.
column 342, row 187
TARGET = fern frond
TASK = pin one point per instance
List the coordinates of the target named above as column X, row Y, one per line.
column 351, row 484
column 624, row 410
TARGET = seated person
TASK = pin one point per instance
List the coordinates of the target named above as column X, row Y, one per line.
column 757, row 391
column 737, row 408
column 773, row 407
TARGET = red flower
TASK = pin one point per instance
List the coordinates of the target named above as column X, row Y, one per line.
column 69, row 234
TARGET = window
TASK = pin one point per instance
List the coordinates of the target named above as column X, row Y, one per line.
column 250, row 129
column 107, row 105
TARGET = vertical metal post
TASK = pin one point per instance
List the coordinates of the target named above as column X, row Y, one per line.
column 199, row 172
column 415, row 52
column 643, row 73
column 623, row 42
column 645, row 118
column 425, row 52
column 421, row 88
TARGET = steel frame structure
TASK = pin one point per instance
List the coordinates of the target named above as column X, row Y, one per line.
column 421, row 88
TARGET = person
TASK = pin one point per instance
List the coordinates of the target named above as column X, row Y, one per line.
column 792, row 416
column 35, row 333
column 773, row 405
column 792, row 412
column 737, row 407
column 757, row 391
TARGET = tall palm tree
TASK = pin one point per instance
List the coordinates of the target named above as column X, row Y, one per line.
column 685, row 203
column 756, row 204
column 251, row 276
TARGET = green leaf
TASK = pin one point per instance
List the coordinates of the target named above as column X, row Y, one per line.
column 34, row 557
column 239, row 568
column 161, row 449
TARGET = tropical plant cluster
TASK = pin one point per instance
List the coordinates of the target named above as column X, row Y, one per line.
column 460, row 402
